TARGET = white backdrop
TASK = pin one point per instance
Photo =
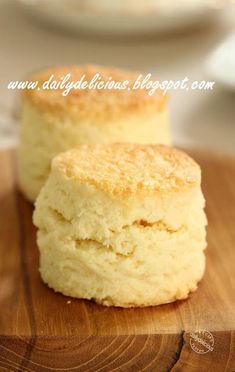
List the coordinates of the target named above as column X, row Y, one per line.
column 205, row 119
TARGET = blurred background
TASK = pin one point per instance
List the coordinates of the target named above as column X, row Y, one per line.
column 193, row 38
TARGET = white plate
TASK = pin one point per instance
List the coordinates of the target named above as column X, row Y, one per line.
column 124, row 16
column 221, row 64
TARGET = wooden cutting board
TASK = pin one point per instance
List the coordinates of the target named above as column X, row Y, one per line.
column 44, row 331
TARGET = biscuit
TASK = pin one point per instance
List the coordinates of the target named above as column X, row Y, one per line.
column 122, row 224
column 53, row 123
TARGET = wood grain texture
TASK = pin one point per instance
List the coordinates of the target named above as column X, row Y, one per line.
column 41, row 331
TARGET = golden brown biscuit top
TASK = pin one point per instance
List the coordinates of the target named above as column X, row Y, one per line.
column 125, row 169
column 99, row 104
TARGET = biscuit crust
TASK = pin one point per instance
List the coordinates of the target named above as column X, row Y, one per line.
column 94, row 104
column 124, row 168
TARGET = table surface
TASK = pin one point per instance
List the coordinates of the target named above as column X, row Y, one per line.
column 40, row 327
column 198, row 119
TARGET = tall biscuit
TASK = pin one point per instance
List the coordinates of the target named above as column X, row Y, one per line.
column 122, row 224
column 53, row 123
